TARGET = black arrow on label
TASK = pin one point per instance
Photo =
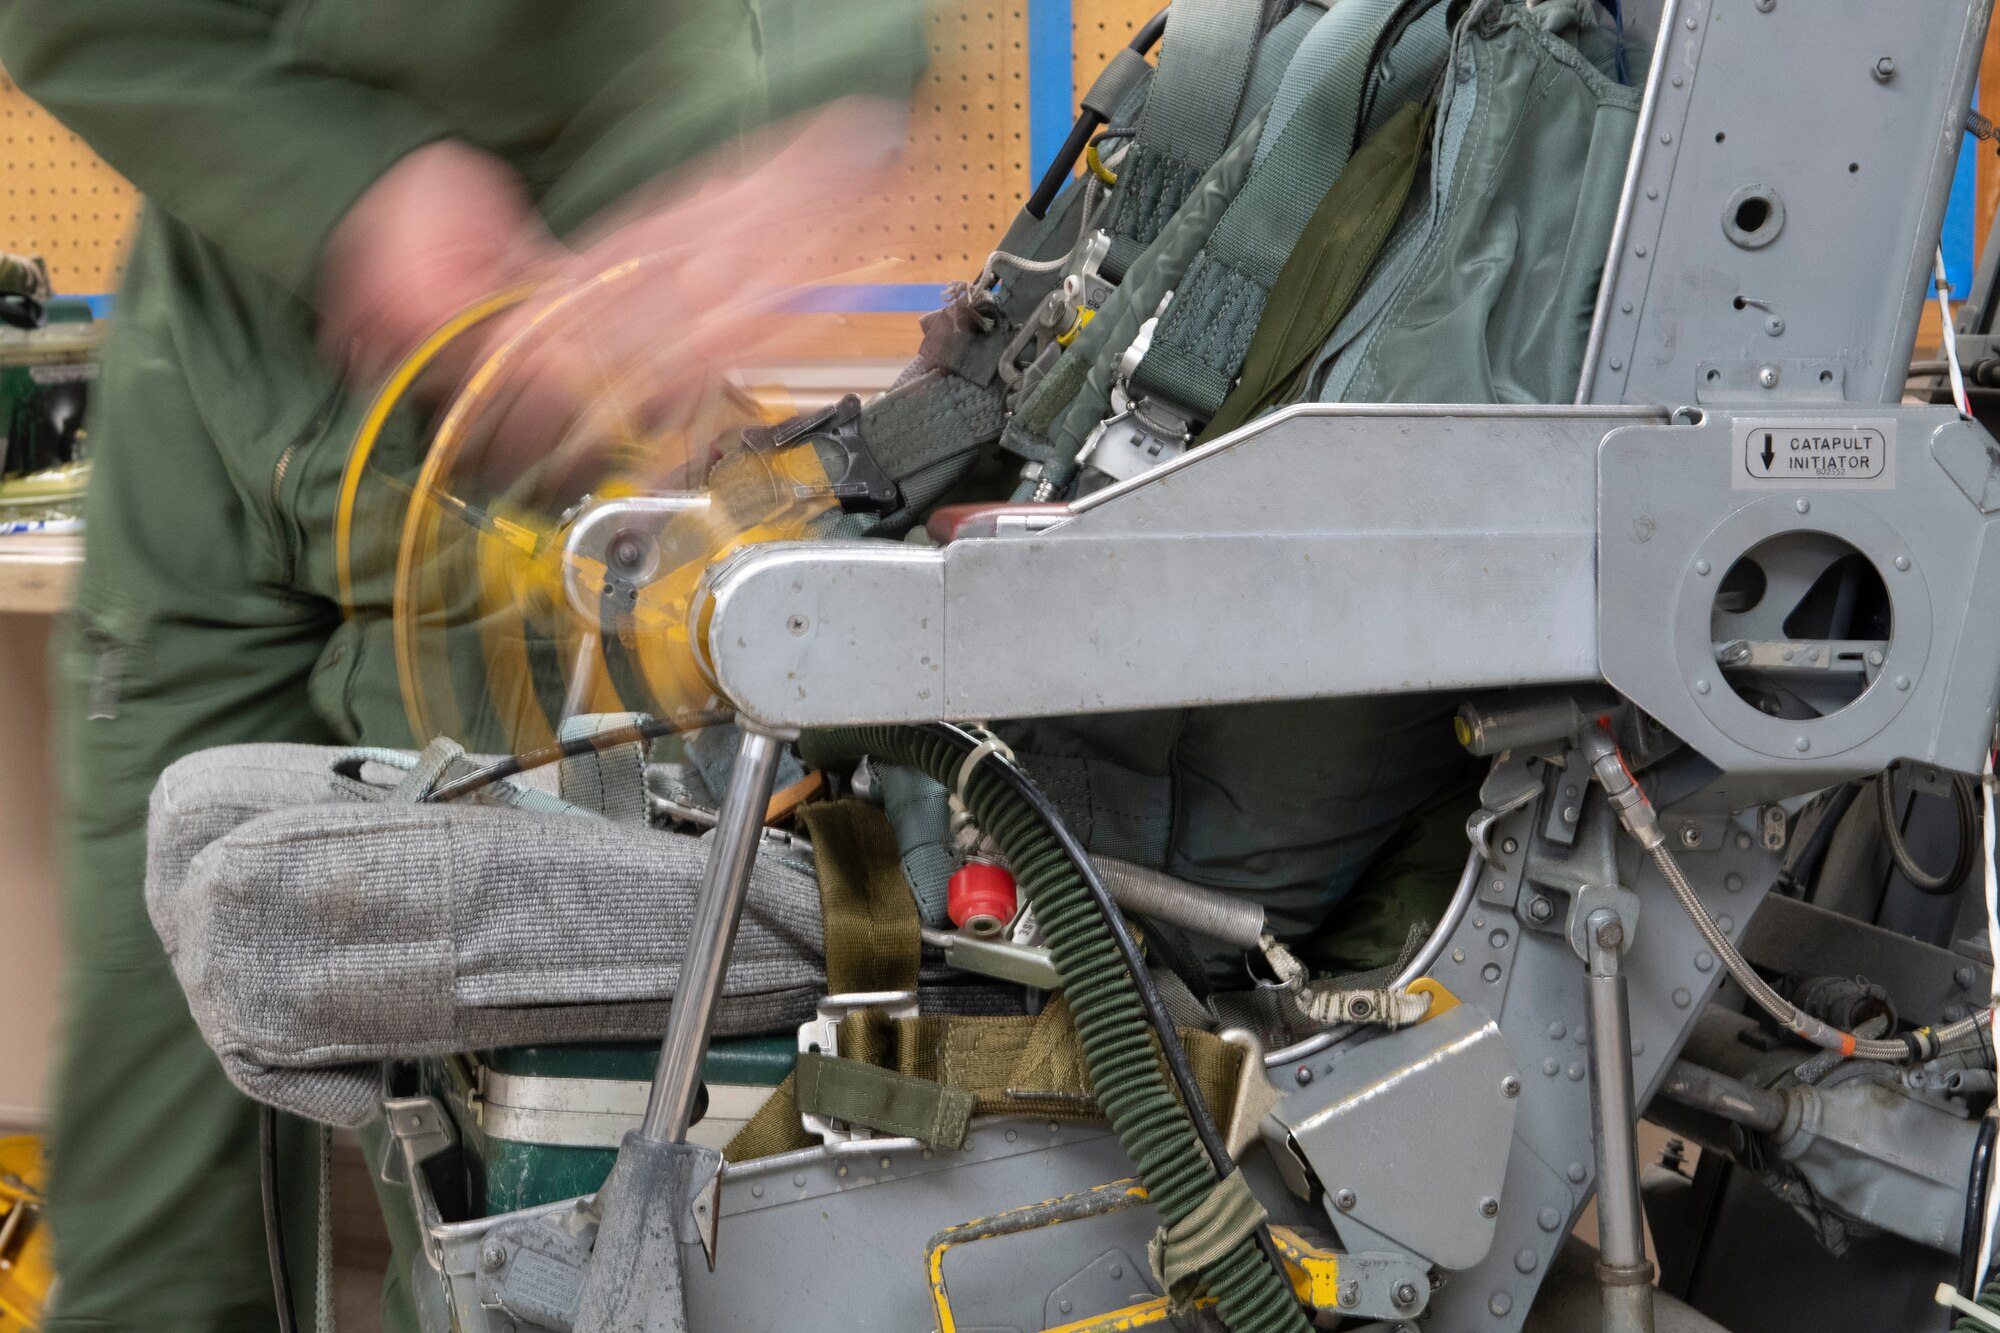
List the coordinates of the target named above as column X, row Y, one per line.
column 1769, row 453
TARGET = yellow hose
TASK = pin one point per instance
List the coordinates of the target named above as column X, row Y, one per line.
column 386, row 402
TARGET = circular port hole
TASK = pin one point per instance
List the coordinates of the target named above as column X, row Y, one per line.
column 1801, row 625
column 1753, row 217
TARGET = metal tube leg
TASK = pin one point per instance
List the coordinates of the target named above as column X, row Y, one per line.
column 1623, row 1268
column 724, row 885
column 647, row 1208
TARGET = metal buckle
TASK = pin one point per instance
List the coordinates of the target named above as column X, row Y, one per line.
column 1137, row 440
column 821, row 1033
column 862, row 486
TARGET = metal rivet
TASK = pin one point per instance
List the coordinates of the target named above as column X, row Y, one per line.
column 1509, row 846
column 1803, row 505
column 1054, row 1128
column 1691, row 23
column 840, row 1170
column 885, row 1164
column 1701, row 687
column 1726, row 921
column 1479, row 923
column 1638, row 1048
column 1303, row 1076
column 1064, row 1306
column 1902, row 682
column 1682, row 999
column 1617, row 363
column 1742, row 842
column 1766, row 6
column 1963, row 978
column 1510, row 1086
column 1345, row 1201
column 1569, row 814
column 1625, row 306
column 1117, row 1271
column 1874, row 657
column 1575, row 1072
column 1901, row 562
column 1498, row 939
column 1551, row 1066
column 1491, row 972
column 1012, row 1135
column 1704, row 961
column 1500, row 1304
column 1458, row 955
column 1577, row 1175
column 1678, row 80
column 1733, row 882
column 1557, row 1031
column 1499, row 886
column 1549, row 1219
column 1639, row 250
column 756, row 1191
column 799, row 1179
column 1702, row 567
column 1802, row 743
column 1489, row 1207
column 1526, row 1260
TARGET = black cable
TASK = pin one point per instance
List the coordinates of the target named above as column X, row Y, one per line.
column 650, row 729
column 1087, row 122
column 274, row 1226
column 1975, row 1208
column 1962, row 858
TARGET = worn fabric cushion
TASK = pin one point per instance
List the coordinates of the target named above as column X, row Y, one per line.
column 316, row 938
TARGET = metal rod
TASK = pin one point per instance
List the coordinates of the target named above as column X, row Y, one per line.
column 1623, row 1268
column 725, row 882
column 1720, row 1095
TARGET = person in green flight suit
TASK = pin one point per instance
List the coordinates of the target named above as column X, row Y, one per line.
column 325, row 182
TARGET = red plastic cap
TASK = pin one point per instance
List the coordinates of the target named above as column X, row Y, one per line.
column 980, row 899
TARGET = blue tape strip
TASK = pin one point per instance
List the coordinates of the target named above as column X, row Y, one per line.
column 1960, row 247
column 869, row 298
column 1051, row 82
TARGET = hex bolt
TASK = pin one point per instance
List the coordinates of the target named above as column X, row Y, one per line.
column 1489, row 1207
column 1885, row 70
column 492, row 1258
column 1510, row 1086
column 1963, row 978
column 1540, row 909
column 1344, row 1200
column 1405, row 1295
column 1350, row 1293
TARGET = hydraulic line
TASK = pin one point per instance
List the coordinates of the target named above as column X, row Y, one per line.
column 1171, row 1139
column 1977, row 1182
column 1635, row 812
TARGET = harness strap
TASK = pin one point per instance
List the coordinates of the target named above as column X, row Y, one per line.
column 882, row 1099
column 870, row 920
column 1315, row 118
column 1228, row 1215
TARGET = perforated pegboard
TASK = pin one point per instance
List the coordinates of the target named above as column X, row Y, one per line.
column 1101, row 27
column 58, row 200
column 967, row 168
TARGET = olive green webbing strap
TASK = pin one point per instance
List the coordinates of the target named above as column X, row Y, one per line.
column 870, row 919
column 1203, row 337
column 1325, row 271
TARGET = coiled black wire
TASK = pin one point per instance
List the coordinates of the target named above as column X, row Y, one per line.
column 1892, row 836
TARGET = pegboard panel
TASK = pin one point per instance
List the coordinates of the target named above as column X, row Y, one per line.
column 58, row 199
column 1102, row 26
column 966, row 171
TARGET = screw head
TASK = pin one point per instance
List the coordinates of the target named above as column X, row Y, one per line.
column 1359, row 1008
column 1510, row 1086
column 1768, row 376
column 626, row 551
column 1405, row 1294
column 1690, row 836
column 492, row 1258
column 1489, row 1207
column 1304, row 1075
column 1344, row 1200
column 1611, row 935
column 1509, row 846
column 1350, row 1293
column 1774, row 326
column 797, row 624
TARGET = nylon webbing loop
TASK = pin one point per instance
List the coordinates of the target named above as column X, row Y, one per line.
column 1115, row 82
column 1227, row 1216
column 881, row 1099
column 1205, row 334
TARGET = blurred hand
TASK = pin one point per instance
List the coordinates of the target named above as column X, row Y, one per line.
column 445, row 226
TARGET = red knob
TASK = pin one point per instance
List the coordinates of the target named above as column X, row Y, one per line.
column 980, row 899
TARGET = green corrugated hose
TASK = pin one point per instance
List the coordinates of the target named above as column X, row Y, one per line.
column 1119, row 1048
column 1989, row 1298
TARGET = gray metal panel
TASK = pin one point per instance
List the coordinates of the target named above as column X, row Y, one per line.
column 1786, row 98
column 1672, row 522
column 1323, row 551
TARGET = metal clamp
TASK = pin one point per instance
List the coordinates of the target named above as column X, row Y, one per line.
column 1136, row 440
column 821, row 1033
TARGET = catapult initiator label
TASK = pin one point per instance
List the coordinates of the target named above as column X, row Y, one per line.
column 1815, row 453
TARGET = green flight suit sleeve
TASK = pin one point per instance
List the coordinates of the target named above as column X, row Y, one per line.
column 196, row 102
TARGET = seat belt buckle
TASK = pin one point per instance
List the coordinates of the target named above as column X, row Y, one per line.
column 861, row 486
column 1137, row 440
column 820, row 1034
